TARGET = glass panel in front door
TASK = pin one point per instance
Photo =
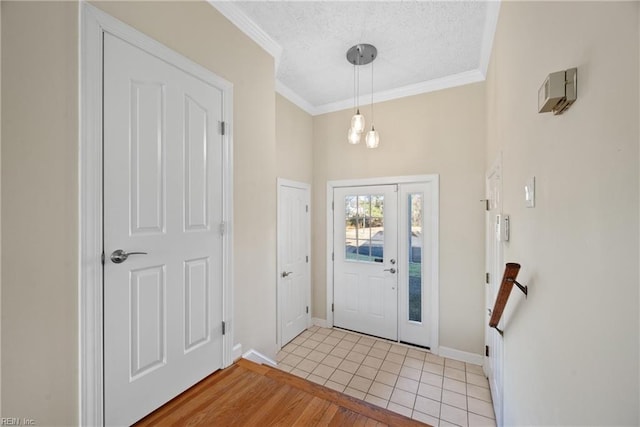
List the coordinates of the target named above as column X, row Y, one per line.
column 364, row 228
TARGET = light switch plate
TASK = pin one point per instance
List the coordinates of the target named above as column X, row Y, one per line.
column 530, row 192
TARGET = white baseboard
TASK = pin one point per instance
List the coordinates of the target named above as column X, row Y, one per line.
column 237, row 352
column 320, row 322
column 463, row 356
column 259, row 358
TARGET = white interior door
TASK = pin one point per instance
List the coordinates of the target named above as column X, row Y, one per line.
column 495, row 268
column 293, row 259
column 365, row 259
column 162, row 196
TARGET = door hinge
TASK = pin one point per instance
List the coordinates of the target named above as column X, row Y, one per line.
column 486, row 350
column 332, row 308
column 307, row 258
column 486, row 278
column 224, row 327
column 307, row 309
column 223, row 228
column 486, row 204
column 102, row 258
column 332, row 206
column 223, row 128
column 306, row 208
column 332, row 257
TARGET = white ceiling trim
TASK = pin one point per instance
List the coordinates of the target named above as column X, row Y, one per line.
column 490, row 25
column 288, row 93
column 250, row 28
column 447, row 82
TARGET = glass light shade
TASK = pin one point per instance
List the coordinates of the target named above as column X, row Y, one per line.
column 357, row 122
column 353, row 136
column 373, row 139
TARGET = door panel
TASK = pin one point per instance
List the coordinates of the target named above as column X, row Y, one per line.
column 162, row 196
column 376, row 297
column 147, row 157
column 196, row 309
column 148, row 332
column 365, row 252
column 196, row 168
column 293, row 256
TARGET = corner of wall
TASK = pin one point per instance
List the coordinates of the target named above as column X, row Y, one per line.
column 259, row 358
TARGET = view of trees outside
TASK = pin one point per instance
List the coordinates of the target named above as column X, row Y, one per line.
column 365, row 227
column 415, row 258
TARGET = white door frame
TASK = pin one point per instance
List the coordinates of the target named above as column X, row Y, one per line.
column 306, row 187
column 434, row 227
column 494, row 259
column 93, row 23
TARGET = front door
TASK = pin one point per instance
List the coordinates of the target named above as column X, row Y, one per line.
column 385, row 260
column 162, row 207
column 293, row 259
column 365, row 260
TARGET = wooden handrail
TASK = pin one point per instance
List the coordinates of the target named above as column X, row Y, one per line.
column 508, row 280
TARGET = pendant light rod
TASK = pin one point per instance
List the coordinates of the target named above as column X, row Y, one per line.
column 372, row 94
column 357, row 66
column 355, row 99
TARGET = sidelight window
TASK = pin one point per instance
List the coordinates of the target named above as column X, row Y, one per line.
column 415, row 246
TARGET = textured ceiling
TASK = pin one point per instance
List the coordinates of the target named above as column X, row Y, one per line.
column 422, row 45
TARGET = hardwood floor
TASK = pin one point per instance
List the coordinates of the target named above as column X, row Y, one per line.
column 247, row 394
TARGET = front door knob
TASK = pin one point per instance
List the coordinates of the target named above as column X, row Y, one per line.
column 391, row 270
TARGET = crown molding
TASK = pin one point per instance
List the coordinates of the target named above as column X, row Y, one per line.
column 259, row 36
column 250, row 28
column 488, row 34
column 292, row 96
column 447, row 82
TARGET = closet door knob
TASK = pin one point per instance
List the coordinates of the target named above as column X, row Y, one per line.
column 119, row 256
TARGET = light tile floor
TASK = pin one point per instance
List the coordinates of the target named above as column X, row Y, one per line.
column 406, row 380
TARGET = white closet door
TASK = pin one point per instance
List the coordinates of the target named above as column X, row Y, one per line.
column 163, row 197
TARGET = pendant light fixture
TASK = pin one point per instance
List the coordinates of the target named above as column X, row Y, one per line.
column 373, row 138
column 357, row 121
column 360, row 54
column 353, row 136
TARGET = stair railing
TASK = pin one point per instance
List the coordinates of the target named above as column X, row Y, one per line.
column 508, row 280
